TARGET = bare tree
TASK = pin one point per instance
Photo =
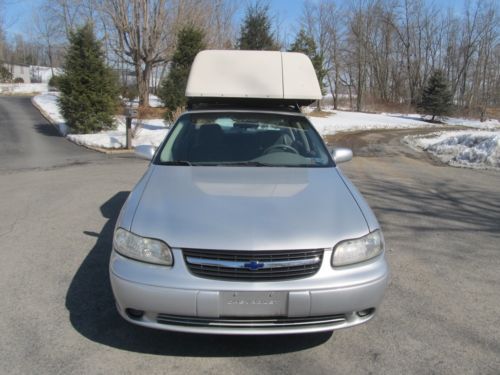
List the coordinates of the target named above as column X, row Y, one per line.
column 142, row 39
column 3, row 42
column 142, row 33
column 362, row 20
column 323, row 21
column 214, row 17
column 2, row 32
column 48, row 30
column 66, row 14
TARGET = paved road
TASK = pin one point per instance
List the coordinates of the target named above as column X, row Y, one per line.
column 27, row 141
column 441, row 313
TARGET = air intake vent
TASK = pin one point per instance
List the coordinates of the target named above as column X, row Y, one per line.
column 251, row 322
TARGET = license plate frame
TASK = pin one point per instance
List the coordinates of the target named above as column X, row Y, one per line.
column 253, row 304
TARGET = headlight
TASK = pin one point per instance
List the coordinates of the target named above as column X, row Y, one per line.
column 358, row 250
column 143, row 249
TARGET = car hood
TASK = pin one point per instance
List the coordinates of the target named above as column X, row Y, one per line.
column 247, row 208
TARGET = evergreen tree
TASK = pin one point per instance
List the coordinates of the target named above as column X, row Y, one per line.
column 305, row 44
column 255, row 33
column 173, row 88
column 436, row 98
column 89, row 91
column 5, row 75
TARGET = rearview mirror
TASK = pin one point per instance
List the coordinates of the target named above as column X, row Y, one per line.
column 341, row 155
column 145, row 151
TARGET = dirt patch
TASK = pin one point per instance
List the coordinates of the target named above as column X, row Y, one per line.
column 28, row 94
column 320, row 114
column 386, row 142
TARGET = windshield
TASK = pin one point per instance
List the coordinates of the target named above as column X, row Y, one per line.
column 244, row 138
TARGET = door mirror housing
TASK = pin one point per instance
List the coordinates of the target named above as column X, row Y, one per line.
column 341, row 155
column 145, row 151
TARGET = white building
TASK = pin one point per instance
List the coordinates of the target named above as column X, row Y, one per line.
column 43, row 73
column 19, row 71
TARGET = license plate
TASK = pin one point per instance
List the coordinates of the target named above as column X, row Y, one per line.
column 247, row 304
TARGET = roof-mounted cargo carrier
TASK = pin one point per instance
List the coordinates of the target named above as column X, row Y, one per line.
column 251, row 78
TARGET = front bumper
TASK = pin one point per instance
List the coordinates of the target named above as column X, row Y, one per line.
column 174, row 299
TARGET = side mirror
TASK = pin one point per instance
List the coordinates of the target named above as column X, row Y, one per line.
column 341, row 155
column 145, row 151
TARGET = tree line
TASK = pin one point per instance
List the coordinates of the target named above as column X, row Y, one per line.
column 365, row 52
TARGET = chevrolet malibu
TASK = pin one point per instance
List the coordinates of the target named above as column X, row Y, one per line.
column 243, row 224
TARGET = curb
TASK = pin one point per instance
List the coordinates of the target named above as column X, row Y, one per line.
column 108, row 151
column 46, row 116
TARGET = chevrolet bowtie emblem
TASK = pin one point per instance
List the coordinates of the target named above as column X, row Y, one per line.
column 254, row 265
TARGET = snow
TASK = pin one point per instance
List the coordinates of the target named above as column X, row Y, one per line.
column 148, row 132
column 464, row 148
column 47, row 102
column 341, row 121
column 152, row 132
column 22, row 88
column 154, row 101
column 488, row 124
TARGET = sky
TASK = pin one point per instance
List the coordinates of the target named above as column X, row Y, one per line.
column 17, row 14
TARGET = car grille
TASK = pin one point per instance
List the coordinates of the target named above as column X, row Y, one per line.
column 251, row 322
column 253, row 265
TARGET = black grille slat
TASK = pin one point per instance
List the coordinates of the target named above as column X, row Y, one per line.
column 252, row 278
column 260, row 272
column 242, row 274
column 256, row 273
column 226, row 255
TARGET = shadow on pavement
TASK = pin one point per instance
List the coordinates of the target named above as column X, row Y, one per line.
column 90, row 303
column 435, row 206
column 47, row 129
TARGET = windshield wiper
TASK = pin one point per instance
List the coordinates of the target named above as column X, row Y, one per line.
column 176, row 162
column 249, row 163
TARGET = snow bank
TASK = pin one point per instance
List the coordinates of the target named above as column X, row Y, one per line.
column 342, row 121
column 474, row 149
column 148, row 132
column 488, row 124
column 152, row 132
column 22, row 88
column 456, row 121
column 47, row 103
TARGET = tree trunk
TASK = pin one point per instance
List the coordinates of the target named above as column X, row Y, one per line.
column 50, row 60
column 143, row 79
column 359, row 88
column 350, row 97
column 333, row 91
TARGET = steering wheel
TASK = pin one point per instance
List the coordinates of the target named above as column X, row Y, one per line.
column 282, row 147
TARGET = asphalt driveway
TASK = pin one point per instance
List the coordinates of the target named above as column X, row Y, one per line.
column 441, row 313
column 27, row 141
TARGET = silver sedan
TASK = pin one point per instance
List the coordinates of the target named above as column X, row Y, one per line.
column 243, row 224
